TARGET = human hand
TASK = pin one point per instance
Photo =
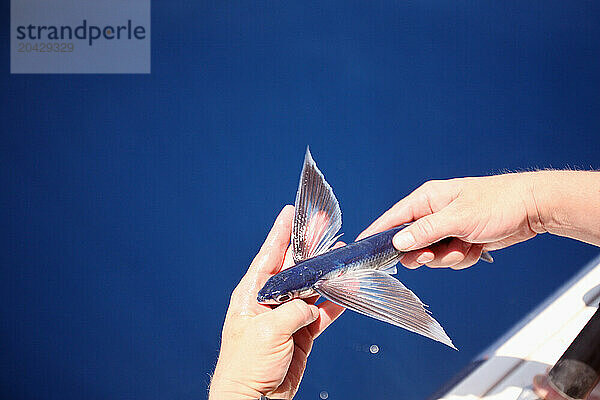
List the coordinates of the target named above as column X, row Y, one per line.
column 264, row 350
column 475, row 214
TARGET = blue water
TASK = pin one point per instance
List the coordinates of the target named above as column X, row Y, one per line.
column 131, row 205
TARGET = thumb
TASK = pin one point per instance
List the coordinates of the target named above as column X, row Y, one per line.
column 428, row 230
column 293, row 315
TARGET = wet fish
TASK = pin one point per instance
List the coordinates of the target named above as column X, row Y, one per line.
column 357, row 276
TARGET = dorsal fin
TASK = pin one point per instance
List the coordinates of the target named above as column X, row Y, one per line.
column 317, row 217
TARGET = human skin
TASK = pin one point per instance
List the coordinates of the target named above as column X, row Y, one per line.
column 264, row 350
column 490, row 213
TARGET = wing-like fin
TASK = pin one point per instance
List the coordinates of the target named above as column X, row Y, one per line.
column 487, row 257
column 389, row 268
column 380, row 296
column 384, row 262
column 318, row 217
column 388, row 265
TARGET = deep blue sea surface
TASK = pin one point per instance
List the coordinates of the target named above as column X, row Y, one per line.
column 133, row 204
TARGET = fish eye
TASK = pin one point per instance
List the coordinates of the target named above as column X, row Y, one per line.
column 283, row 298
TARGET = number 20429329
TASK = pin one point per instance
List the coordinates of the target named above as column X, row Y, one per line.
column 50, row 47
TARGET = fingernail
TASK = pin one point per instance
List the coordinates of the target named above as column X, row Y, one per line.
column 425, row 258
column 404, row 241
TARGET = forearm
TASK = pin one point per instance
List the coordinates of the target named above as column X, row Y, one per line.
column 566, row 203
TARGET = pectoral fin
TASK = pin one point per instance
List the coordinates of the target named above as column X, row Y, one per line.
column 380, row 296
column 487, row 257
column 318, row 217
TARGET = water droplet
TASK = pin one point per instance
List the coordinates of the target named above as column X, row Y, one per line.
column 324, row 395
column 374, row 349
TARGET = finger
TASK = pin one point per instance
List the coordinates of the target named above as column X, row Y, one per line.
column 291, row 316
column 288, row 259
column 413, row 206
column 428, row 198
column 415, row 259
column 428, row 230
column 269, row 258
column 328, row 312
column 449, row 253
column 267, row 262
column 442, row 254
column 471, row 258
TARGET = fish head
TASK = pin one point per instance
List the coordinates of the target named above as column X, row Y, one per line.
column 292, row 283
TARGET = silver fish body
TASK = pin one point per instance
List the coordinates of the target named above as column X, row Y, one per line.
column 301, row 280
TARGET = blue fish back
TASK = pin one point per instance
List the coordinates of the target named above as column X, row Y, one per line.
column 350, row 254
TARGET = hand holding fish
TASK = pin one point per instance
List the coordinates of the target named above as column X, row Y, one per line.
column 456, row 220
column 264, row 350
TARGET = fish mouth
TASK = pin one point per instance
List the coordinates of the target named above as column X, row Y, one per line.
column 268, row 302
column 266, row 299
column 306, row 295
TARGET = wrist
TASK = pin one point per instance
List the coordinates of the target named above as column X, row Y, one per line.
column 227, row 388
column 555, row 196
column 229, row 392
column 537, row 197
